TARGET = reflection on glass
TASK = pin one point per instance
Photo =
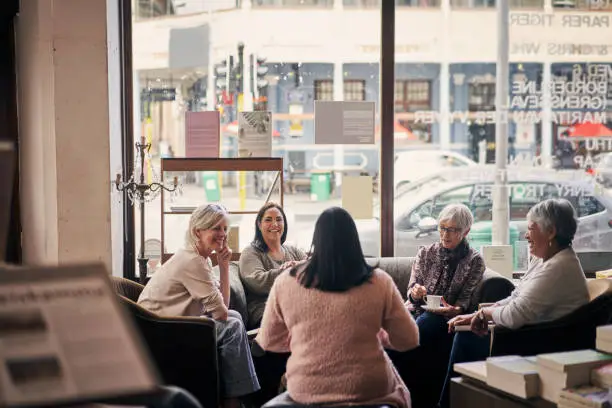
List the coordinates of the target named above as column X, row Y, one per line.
column 282, row 56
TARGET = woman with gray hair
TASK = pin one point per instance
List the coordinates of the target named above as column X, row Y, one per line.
column 186, row 286
column 450, row 269
column 553, row 286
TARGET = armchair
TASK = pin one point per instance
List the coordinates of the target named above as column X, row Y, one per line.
column 285, row 401
column 575, row 331
column 183, row 348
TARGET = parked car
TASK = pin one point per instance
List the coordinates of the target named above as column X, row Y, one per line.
column 411, row 165
column 422, row 201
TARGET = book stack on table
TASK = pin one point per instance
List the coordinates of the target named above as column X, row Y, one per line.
column 603, row 341
column 575, row 379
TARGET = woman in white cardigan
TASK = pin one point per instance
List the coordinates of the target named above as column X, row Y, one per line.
column 553, row 286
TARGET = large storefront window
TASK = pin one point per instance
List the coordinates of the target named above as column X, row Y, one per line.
column 559, row 113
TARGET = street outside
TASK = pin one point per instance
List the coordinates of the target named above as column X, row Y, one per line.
column 301, row 208
column 301, row 211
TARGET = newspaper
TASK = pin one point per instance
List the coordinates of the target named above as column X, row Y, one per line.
column 64, row 338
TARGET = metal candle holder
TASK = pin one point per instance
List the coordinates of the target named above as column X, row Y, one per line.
column 141, row 192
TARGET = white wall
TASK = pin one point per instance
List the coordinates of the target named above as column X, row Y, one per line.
column 64, row 129
column 310, row 35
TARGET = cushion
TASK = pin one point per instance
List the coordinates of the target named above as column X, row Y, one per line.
column 399, row 268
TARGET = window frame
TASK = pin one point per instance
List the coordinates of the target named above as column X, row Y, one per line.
column 408, row 104
column 486, row 90
column 387, row 118
column 349, row 93
column 320, row 88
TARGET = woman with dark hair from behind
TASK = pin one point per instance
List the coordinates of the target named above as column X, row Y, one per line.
column 265, row 258
column 334, row 313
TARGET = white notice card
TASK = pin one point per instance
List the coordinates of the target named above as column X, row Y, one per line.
column 255, row 134
column 344, row 123
column 498, row 258
column 357, row 196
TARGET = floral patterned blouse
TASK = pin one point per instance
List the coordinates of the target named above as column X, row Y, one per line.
column 453, row 274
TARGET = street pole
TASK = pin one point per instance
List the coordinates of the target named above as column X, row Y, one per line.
column 501, row 218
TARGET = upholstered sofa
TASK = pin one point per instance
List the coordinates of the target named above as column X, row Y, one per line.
column 492, row 288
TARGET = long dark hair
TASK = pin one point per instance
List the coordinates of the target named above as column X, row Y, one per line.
column 258, row 241
column 337, row 262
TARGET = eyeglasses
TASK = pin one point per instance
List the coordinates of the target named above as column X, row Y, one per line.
column 446, row 230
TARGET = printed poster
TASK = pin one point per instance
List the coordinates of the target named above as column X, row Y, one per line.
column 255, row 134
column 202, row 134
column 344, row 123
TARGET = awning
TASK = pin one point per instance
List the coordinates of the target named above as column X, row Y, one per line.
column 399, row 132
column 232, row 129
column 588, row 130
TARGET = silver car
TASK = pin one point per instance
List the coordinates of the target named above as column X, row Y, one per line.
column 419, row 204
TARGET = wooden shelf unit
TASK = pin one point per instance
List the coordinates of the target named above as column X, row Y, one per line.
column 250, row 164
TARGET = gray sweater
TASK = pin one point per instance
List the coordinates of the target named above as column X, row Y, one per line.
column 547, row 291
column 258, row 272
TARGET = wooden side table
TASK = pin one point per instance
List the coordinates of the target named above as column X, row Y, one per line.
column 468, row 393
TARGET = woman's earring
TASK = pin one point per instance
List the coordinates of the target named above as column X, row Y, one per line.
column 550, row 244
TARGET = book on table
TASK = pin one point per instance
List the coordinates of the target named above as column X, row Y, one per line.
column 603, row 339
column 475, row 370
column 585, row 396
column 515, row 375
column 602, row 376
column 558, row 371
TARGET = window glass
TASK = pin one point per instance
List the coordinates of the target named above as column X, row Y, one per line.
column 279, row 56
column 559, row 113
column 456, row 196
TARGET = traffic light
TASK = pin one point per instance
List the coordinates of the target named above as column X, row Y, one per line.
column 261, row 70
column 221, row 80
column 296, row 74
column 258, row 71
column 240, row 69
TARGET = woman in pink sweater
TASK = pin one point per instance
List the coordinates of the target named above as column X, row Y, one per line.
column 333, row 312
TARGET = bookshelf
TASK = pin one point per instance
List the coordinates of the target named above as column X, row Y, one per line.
column 197, row 165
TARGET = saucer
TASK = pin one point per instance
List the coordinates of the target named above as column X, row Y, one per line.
column 431, row 309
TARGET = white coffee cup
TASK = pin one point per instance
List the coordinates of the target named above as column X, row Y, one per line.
column 433, row 301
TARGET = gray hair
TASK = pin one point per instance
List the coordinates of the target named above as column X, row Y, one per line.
column 557, row 213
column 203, row 218
column 459, row 214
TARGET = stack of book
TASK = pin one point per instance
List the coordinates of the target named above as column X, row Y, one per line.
column 602, row 376
column 559, row 371
column 603, row 341
column 604, row 274
column 585, row 397
column 515, row 375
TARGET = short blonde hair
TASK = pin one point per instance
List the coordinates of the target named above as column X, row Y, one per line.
column 204, row 217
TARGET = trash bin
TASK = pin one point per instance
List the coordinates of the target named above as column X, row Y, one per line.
column 481, row 234
column 320, row 184
column 210, row 182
